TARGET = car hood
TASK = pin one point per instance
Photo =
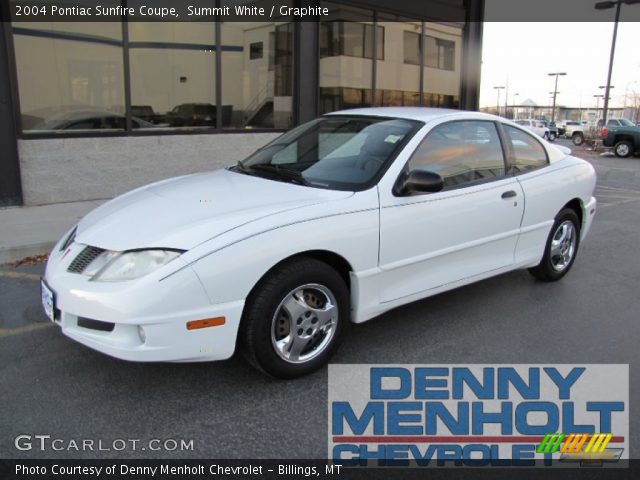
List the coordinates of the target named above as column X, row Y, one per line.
column 185, row 211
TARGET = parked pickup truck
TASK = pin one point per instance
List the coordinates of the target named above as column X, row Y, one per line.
column 622, row 135
column 575, row 131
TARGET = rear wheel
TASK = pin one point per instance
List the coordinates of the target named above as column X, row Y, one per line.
column 577, row 139
column 561, row 248
column 552, row 137
column 295, row 318
column 623, row 149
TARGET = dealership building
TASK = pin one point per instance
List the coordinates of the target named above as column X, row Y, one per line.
column 92, row 109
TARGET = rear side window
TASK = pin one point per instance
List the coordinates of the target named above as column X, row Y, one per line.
column 528, row 153
column 462, row 153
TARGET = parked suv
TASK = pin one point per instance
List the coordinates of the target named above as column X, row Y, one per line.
column 192, row 115
column 622, row 135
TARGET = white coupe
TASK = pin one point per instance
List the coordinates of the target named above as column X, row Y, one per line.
column 336, row 221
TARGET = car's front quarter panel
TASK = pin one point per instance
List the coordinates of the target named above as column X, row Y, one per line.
column 229, row 266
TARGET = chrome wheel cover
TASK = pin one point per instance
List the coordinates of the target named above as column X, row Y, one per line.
column 304, row 323
column 623, row 150
column 563, row 246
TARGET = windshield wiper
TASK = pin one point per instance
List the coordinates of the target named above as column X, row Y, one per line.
column 241, row 167
column 279, row 172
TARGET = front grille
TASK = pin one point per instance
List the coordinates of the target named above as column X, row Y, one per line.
column 84, row 259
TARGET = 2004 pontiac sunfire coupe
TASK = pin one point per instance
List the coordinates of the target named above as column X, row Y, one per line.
column 336, row 221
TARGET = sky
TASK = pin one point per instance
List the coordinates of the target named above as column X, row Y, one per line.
column 521, row 55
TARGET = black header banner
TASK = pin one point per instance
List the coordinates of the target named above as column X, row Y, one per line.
column 316, row 10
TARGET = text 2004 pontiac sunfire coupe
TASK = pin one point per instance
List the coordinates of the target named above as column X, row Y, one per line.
column 336, row 221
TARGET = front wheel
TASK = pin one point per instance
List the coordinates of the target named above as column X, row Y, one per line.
column 561, row 248
column 623, row 149
column 552, row 137
column 295, row 318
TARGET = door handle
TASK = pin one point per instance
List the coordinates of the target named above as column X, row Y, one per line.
column 509, row 194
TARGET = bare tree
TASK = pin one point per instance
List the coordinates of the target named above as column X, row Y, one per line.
column 632, row 100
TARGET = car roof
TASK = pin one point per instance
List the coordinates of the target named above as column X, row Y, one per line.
column 423, row 114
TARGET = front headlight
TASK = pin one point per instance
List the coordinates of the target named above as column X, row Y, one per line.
column 131, row 265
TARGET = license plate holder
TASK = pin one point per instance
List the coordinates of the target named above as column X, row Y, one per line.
column 48, row 300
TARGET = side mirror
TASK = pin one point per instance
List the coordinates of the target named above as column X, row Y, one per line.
column 420, row 181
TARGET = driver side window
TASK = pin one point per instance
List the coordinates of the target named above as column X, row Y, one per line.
column 463, row 153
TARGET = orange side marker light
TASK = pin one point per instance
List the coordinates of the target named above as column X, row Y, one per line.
column 206, row 323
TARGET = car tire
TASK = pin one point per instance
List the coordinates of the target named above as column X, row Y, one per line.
column 623, row 149
column 577, row 139
column 295, row 318
column 552, row 137
column 561, row 248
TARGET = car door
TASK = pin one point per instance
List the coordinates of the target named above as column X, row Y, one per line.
column 469, row 228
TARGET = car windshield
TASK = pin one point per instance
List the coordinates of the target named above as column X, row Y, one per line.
column 337, row 152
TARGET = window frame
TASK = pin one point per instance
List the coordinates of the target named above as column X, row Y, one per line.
column 406, row 170
column 509, row 151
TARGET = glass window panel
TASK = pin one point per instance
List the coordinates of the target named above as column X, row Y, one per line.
column 368, row 41
column 411, row 43
column 70, row 75
column 257, row 92
column 255, row 50
column 442, row 66
column 398, row 82
column 173, row 74
column 462, row 153
column 346, row 38
column 528, row 152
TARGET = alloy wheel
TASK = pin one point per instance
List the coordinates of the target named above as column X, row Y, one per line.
column 304, row 323
column 563, row 246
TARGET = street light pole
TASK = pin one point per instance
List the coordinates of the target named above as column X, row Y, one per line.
column 605, row 6
column 498, row 99
column 555, row 92
column 605, row 109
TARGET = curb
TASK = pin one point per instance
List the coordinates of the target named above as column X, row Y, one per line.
column 11, row 254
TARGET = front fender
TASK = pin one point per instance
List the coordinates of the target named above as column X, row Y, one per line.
column 230, row 268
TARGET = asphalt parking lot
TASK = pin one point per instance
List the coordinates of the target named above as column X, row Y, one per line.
column 54, row 386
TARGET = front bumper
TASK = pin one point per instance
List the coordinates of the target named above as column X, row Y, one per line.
column 149, row 315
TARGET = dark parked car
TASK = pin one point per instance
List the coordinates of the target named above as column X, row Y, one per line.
column 146, row 113
column 89, row 120
column 622, row 135
column 192, row 115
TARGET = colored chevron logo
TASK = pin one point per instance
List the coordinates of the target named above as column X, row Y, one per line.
column 574, row 443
